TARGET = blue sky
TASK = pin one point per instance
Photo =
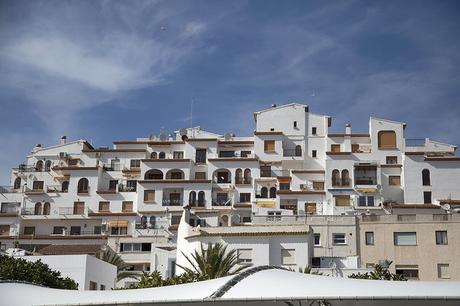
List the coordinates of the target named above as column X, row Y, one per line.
column 112, row 70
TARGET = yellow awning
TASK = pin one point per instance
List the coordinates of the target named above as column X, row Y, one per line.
column 366, row 190
column 269, row 204
column 118, row 223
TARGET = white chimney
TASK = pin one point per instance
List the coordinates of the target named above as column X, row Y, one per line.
column 348, row 129
column 36, row 148
column 63, row 140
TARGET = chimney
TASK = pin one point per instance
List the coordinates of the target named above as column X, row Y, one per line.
column 348, row 129
column 63, row 140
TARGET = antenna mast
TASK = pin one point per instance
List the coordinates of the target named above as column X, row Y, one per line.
column 191, row 117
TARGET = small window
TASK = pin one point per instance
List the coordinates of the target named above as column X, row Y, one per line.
column 265, row 171
column 102, row 287
column 427, row 197
column 317, row 239
column 394, row 180
column 269, row 146
column 335, row 148
column 284, row 186
column 426, row 181
column 314, row 153
column 244, row 256
column 149, row 196
column 392, row 160
column 369, row 238
column 200, row 175
column 75, row 230
column 245, row 197
column 408, row 271
column 355, row 148
column 131, row 185
column 342, row 200
column 443, row 271
column 113, row 184
column 29, row 230
column 287, row 257
column 295, row 124
column 59, row 230
column 441, row 237
column 104, row 206
column 313, row 131
column 162, row 155
column 405, row 238
column 92, row 285
column 127, row 206
column 386, row 140
column 316, row 262
column 79, row 208
column 339, row 238
column 135, row 163
column 200, row 156
column 37, row 185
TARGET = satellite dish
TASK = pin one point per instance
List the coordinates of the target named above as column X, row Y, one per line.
column 183, row 132
column 379, row 187
column 228, row 136
column 163, row 137
column 445, row 206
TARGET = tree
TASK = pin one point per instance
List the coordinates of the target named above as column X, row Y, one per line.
column 380, row 273
column 308, row 270
column 35, row 272
column 108, row 255
column 154, row 279
column 213, row 262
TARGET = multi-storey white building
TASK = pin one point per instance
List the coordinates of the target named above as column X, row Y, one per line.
column 131, row 196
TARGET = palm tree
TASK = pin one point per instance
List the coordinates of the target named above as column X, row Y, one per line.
column 110, row 256
column 213, row 262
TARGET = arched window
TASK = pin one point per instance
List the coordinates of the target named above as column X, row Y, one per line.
column 426, row 181
column 247, row 176
column 153, row 174
column 17, row 183
column 83, row 185
column 46, row 208
column 264, row 192
column 387, row 140
column 192, row 198
column 175, row 174
column 345, row 178
column 65, row 186
column 152, row 221
column 239, row 176
column 273, row 192
column 48, row 166
column 38, row 208
column 298, row 150
column 39, row 166
column 201, row 198
column 335, row 178
column 154, row 155
column 162, row 155
column 144, row 221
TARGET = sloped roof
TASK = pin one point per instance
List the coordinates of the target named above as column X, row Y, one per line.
column 257, row 284
column 70, row 249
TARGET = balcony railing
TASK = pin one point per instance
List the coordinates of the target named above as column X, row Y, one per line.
column 274, row 173
column 365, row 181
column 415, row 142
column 222, row 202
column 71, row 211
column 235, row 155
column 167, row 202
column 56, row 188
column 124, row 188
column 291, row 152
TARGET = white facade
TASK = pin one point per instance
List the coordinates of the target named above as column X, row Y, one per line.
column 131, row 196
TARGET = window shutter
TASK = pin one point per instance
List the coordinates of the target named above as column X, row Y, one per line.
column 149, row 195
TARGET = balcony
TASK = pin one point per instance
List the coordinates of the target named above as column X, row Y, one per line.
column 274, row 173
column 222, row 202
column 34, row 190
column 171, row 202
column 292, row 153
column 365, row 175
column 55, row 189
column 124, row 188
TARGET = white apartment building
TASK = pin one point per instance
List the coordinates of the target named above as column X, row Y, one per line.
column 131, row 196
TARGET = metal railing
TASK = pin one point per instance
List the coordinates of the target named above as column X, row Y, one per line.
column 274, row 173
column 222, row 202
column 166, row 202
column 124, row 188
column 292, row 152
column 365, row 181
column 236, row 155
column 415, row 142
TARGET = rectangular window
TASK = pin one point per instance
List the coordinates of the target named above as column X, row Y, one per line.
column 135, row 163
column 405, row 238
column 265, row 171
column 316, row 262
column 287, row 257
column 408, row 271
column 310, row 208
column 427, row 197
column 269, row 146
column 244, row 256
column 59, row 230
column 37, row 185
column 149, row 196
column 92, row 285
column 365, row 201
column 394, row 180
column 97, row 230
column 355, row 148
column 285, row 186
column 104, row 206
column 392, row 160
column 78, row 208
column 295, row 124
column 342, row 200
column 314, row 153
column 113, row 184
column 200, row 156
column 102, row 287
column 317, row 239
column 441, row 237
column 131, row 185
column 226, row 153
column 338, row 238
column 29, row 230
column 178, row 155
column 245, row 153
column 318, row 185
column 75, row 230
column 4, row 230
column 175, row 220
column 313, row 131
column 443, row 271
column 245, row 197
column 369, row 238
column 335, row 148
column 114, row 230
column 200, row 175
column 127, row 206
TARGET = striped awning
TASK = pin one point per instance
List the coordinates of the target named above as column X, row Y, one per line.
column 118, row 223
column 269, row 204
column 366, row 190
